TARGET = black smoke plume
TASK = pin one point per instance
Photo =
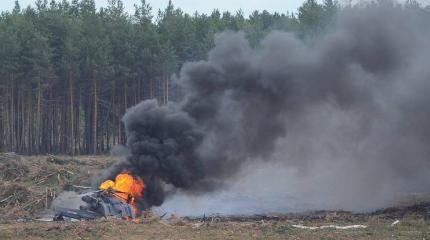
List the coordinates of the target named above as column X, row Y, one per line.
column 356, row 98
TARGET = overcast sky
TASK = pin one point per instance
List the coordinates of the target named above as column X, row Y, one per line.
column 190, row 6
column 202, row 6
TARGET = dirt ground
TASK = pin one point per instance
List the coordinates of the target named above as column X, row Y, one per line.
column 409, row 228
column 28, row 184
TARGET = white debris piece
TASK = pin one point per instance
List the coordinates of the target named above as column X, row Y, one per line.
column 395, row 223
column 44, row 219
column 331, row 226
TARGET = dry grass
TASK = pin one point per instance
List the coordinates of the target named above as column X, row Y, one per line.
column 173, row 229
column 24, row 193
column 12, row 168
column 28, row 184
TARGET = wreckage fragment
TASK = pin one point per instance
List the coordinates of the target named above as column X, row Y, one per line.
column 101, row 203
column 117, row 198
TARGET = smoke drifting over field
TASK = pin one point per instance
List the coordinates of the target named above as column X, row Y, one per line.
column 347, row 117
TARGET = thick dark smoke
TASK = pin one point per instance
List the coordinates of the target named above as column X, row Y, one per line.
column 352, row 105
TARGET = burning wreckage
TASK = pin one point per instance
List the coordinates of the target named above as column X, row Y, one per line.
column 120, row 198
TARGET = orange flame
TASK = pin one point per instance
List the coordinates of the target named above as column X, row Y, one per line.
column 126, row 187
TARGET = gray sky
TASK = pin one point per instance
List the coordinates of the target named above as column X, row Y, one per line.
column 190, row 6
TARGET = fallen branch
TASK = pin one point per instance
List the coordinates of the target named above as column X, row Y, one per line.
column 58, row 173
column 81, row 187
column 40, row 181
column 395, row 223
column 31, row 203
column 4, row 200
column 330, row 226
column 67, row 171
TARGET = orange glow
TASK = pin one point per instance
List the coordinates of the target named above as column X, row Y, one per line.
column 107, row 184
column 126, row 187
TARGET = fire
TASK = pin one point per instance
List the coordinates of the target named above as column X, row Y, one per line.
column 126, row 187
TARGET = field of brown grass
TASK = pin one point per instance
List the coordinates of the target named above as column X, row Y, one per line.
column 28, row 184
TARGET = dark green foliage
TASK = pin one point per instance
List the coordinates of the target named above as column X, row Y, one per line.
column 68, row 71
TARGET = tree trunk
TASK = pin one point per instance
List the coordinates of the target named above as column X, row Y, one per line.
column 113, row 109
column 39, row 112
column 95, row 118
column 72, row 120
column 167, row 89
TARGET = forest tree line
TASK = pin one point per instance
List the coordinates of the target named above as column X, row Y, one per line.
column 69, row 70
